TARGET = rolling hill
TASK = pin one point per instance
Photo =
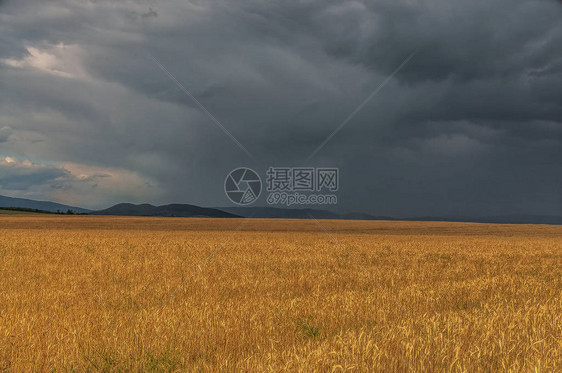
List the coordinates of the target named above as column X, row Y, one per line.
column 173, row 210
column 38, row 205
column 286, row 213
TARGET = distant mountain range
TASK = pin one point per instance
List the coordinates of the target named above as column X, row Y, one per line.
column 271, row 212
column 178, row 210
column 39, row 205
column 186, row 210
column 280, row 213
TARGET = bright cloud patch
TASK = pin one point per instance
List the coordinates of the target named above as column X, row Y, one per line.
column 70, row 183
column 61, row 60
column 116, row 183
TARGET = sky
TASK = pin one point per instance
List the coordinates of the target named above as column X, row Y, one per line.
column 101, row 101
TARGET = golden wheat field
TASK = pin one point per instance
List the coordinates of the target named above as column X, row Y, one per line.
column 82, row 293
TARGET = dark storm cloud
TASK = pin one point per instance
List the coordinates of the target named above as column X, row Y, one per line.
column 473, row 41
column 470, row 125
column 15, row 175
column 149, row 13
column 5, row 133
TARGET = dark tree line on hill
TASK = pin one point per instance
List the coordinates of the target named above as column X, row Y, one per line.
column 23, row 209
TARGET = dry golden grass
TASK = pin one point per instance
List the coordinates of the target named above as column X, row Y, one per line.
column 126, row 294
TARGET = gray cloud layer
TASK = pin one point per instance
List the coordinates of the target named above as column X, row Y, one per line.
column 472, row 125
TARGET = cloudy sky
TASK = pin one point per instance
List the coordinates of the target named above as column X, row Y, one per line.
column 470, row 125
